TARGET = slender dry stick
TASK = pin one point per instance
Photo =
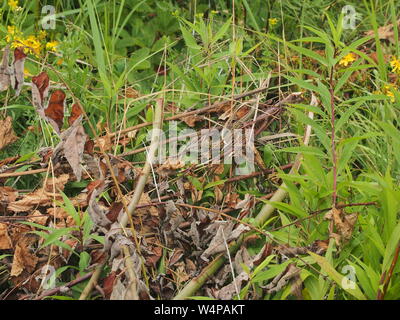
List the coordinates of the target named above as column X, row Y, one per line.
column 68, row 285
column 131, row 273
column 22, row 173
column 196, row 283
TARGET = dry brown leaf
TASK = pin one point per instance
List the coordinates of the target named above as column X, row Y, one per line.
column 385, row 32
column 7, row 195
column 344, row 223
column 19, row 62
column 232, row 289
column 72, row 145
column 5, row 240
column 170, row 166
column 282, row 279
column 7, row 134
column 191, row 120
column 41, row 197
column 40, row 90
column 23, row 258
column 5, row 70
column 145, row 199
column 38, row 217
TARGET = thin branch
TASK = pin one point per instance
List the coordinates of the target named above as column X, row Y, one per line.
column 70, row 284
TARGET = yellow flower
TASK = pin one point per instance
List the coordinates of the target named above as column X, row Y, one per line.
column 51, row 45
column 389, row 90
column 10, row 33
column 272, row 21
column 395, row 64
column 42, row 35
column 33, row 45
column 13, row 4
column 347, row 59
column 59, row 62
column 18, row 41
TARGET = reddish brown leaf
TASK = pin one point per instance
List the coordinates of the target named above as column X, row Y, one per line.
column 108, row 284
column 40, row 89
column 55, row 109
column 114, row 211
column 89, row 146
column 75, row 113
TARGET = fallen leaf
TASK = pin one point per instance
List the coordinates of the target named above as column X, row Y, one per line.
column 5, row 70
column 344, row 223
column 40, row 90
column 23, row 258
column 76, row 112
column 385, row 32
column 41, row 197
column 19, row 62
column 72, row 145
column 55, row 109
column 282, row 279
column 7, row 135
column 5, row 240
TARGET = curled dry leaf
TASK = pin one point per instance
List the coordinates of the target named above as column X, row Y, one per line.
column 169, row 167
column 344, row 224
column 19, row 62
column 5, row 240
column 385, row 33
column 7, row 134
column 225, row 233
column 5, row 70
column 282, row 279
column 55, row 109
column 23, row 258
column 72, row 145
column 76, row 112
column 41, row 197
column 40, row 90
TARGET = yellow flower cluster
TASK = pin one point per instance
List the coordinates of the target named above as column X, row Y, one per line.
column 395, row 64
column 389, row 91
column 13, row 4
column 347, row 59
column 31, row 44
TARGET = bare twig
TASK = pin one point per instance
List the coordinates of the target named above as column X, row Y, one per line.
column 22, row 173
column 68, row 285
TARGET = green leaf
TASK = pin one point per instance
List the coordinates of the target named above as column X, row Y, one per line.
column 189, row 39
column 70, row 209
column 336, row 276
